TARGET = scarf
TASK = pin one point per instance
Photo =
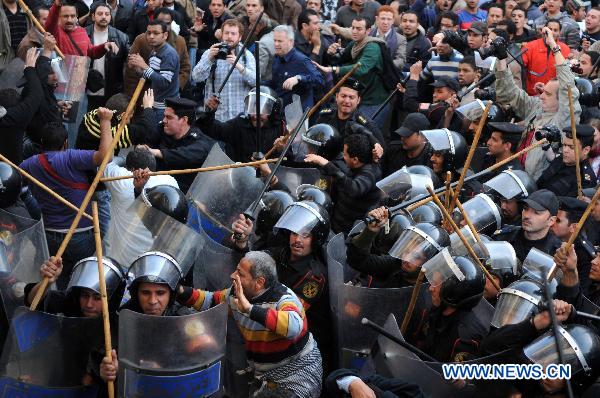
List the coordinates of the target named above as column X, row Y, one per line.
column 359, row 46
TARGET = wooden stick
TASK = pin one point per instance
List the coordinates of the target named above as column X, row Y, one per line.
column 575, row 144
column 103, row 295
column 448, row 189
column 38, row 25
column 412, row 303
column 472, row 149
column 90, row 192
column 489, row 169
column 575, row 233
column 198, row 170
column 323, row 99
column 43, row 186
column 471, row 226
column 456, row 229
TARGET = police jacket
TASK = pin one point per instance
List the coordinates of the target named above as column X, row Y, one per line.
column 330, row 116
column 395, row 157
column 186, row 153
column 239, row 135
column 561, row 179
column 113, row 63
column 514, row 235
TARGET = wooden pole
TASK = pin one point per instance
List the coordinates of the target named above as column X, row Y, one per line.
column 489, row 169
column 471, row 226
column 472, row 149
column 448, row 189
column 43, row 186
column 90, row 192
column 575, row 233
column 436, row 199
column 323, row 99
column 575, row 144
column 103, row 295
column 412, row 303
column 38, row 25
column 198, row 170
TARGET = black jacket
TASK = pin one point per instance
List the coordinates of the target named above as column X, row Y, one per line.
column 514, row 235
column 13, row 124
column 417, row 49
column 329, row 116
column 113, row 63
column 560, row 178
column 395, row 157
column 206, row 37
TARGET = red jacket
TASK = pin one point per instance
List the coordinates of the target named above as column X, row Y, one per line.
column 78, row 35
column 540, row 60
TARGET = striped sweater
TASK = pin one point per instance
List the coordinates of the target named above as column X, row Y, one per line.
column 442, row 66
column 163, row 73
column 275, row 330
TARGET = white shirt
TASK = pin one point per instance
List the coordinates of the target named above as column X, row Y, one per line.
column 99, row 38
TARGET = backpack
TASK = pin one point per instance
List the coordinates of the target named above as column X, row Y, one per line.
column 390, row 75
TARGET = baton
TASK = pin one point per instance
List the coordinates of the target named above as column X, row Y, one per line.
column 258, row 155
column 237, row 58
column 588, row 316
column 408, row 346
column 387, row 100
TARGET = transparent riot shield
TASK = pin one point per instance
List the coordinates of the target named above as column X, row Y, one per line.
column 23, row 249
column 46, row 355
column 149, row 229
column 293, row 177
column 293, row 115
column 349, row 304
column 171, row 356
column 71, row 86
column 218, row 197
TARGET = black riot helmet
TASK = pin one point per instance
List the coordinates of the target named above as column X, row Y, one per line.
column 154, row 267
column 517, row 302
column 305, row 217
column 465, row 289
column 85, row 276
column 426, row 171
column 324, row 140
column 386, row 238
column 450, row 144
column 427, row 213
column 272, row 205
column 10, row 185
column 169, row 200
column 581, row 350
column 315, row 194
column 511, row 185
column 269, row 101
column 473, row 111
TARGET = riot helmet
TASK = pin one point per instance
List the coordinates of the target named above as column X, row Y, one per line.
column 85, row 276
column 426, row 171
column 315, row 194
column 517, row 302
column 537, row 263
column 268, row 101
column 581, row 350
column 272, row 205
column 511, row 184
column 305, row 217
column 169, row 200
column 386, row 237
column 482, row 211
column 473, row 111
column 466, row 291
column 585, row 86
column 501, row 261
column 428, row 213
column 458, row 248
column 402, row 185
column 10, row 185
column 154, row 267
column 323, row 140
column 450, row 144
column 419, row 243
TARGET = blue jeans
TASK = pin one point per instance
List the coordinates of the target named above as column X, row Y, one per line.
column 80, row 246
column 103, row 199
column 369, row 110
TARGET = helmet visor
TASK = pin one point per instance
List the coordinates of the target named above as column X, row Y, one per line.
column 299, row 218
column 266, row 103
column 502, row 256
column 85, row 275
column 543, row 350
column 482, row 212
column 507, row 184
column 397, row 185
column 441, row 268
column 414, row 247
column 471, row 111
column 537, row 263
column 458, row 247
column 513, row 307
column 439, row 139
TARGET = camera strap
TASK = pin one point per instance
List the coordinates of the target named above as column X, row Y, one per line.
column 547, row 63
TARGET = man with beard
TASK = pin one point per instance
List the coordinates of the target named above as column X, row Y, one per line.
column 411, row 149
column 428, row 14
column 417, row 44
column 537, row 219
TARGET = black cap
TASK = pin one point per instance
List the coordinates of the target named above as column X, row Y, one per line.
column 181, row 104
column 541, row 200
column 572, row 205
column 446, row 81
column 583, row 131
column 413, row 122
column 354, row 85
column 479, row 27
column 505, row 127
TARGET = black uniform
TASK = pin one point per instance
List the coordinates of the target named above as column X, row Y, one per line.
column 514, row 235
column 395, row 157
column 560, row 178
column 488, row 161
column 239, row 135
column 330, row 116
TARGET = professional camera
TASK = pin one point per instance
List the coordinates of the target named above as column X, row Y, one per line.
column 497, row 48
column 224, row 51
column 550, row 132
column 485, row 94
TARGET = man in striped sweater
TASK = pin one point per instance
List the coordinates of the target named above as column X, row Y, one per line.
column 273, row 324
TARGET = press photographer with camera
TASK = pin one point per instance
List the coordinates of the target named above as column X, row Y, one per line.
column 550, row 107
column 214, row 65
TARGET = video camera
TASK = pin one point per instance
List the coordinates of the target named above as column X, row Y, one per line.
column 550, row 132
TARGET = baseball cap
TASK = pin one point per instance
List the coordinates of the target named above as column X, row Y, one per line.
column 479, row 27
column 412, row 123
column 447, row 81
column 541, row 200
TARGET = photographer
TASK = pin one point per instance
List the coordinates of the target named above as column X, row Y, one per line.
column 551, row 107
column 466, row 44
column 214, row 65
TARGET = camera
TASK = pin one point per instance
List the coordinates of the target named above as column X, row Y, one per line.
column 224, row 51
column 486, row 94
column 497, row 48
column 550, row 132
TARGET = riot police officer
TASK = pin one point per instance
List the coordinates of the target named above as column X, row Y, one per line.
column 449, row 151
column 168, row 199
column 509, row 187
column 10, row 191
column 559, row 177
column 501, row 144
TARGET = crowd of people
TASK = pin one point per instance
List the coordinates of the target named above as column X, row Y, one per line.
column 497, row 98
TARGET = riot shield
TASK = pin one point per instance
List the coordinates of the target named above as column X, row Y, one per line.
column 72, row 89
column 293, row 177
column 23, row 249
column 293, row 115
column 46, row 355
column 349, row 304
column 149, row 229
column 218, row 197
column 171, row 356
